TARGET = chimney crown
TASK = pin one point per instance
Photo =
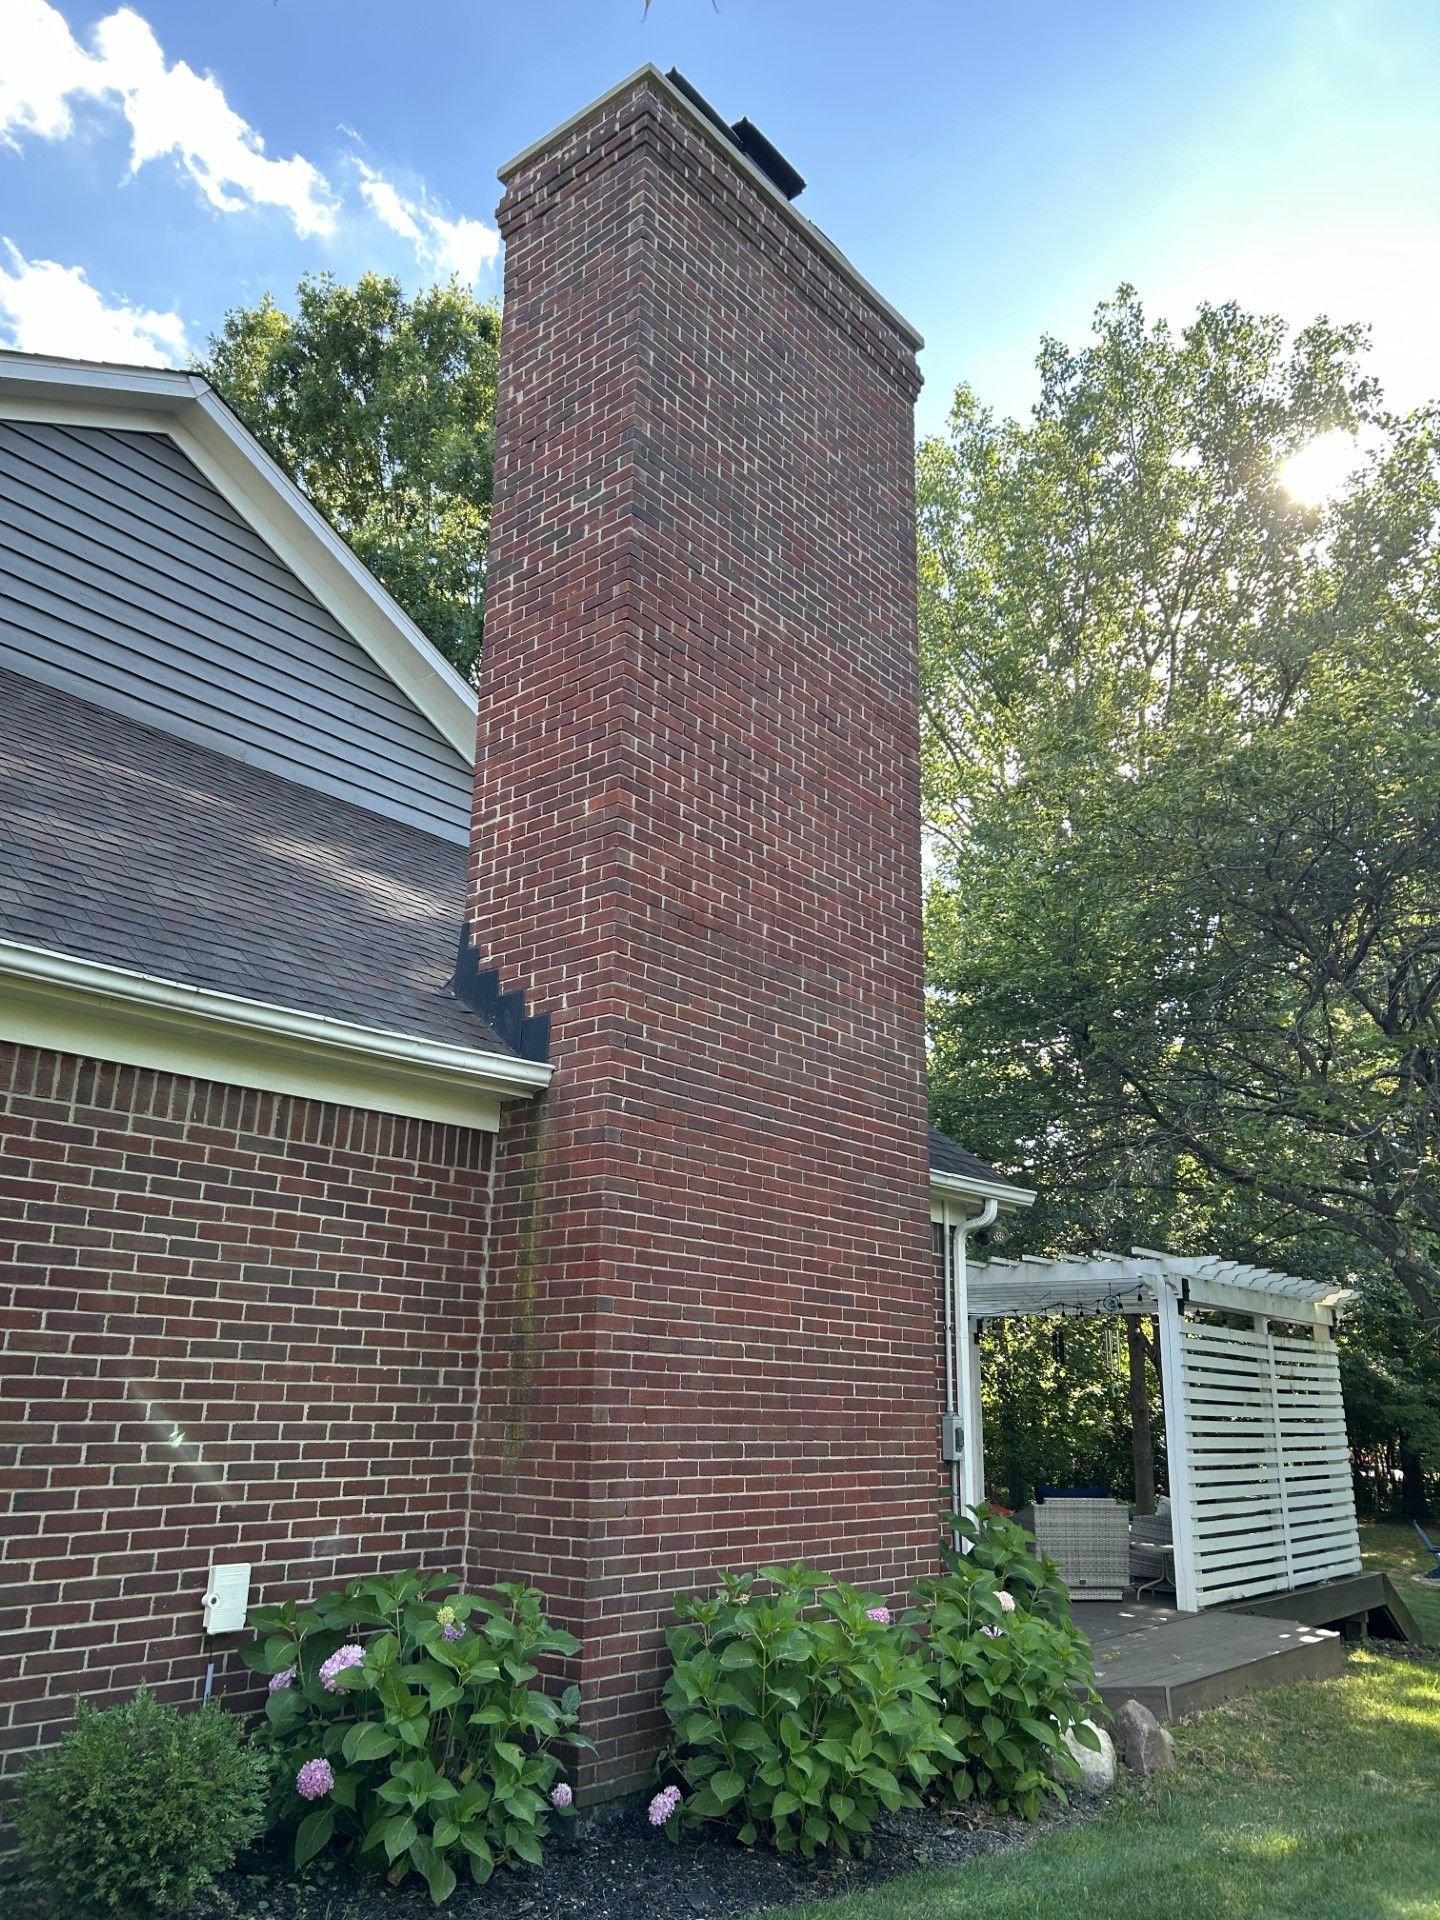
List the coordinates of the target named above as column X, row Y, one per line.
column 738, row 148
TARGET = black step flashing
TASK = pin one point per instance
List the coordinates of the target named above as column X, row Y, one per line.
column 478, row 988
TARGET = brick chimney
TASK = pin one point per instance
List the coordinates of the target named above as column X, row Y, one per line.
column 710, row 1334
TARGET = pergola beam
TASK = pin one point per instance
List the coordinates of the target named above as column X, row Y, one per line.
column 1110, row 1283
column 1225, row 1298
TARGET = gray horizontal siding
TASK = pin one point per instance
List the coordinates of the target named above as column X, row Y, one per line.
column 127, row 579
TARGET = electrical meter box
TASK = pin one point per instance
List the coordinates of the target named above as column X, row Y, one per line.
column 952, row 1437
column 227, row 1595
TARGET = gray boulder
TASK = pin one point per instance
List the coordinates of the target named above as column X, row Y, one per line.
column 1097, row 1770
column 1147, row 1745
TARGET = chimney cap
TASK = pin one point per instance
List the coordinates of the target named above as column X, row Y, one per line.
column 745, row 135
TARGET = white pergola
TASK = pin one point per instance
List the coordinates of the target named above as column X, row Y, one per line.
column 1260, row 1488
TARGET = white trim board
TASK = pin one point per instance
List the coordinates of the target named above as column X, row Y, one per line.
column 101, row 1012
column 953, row 1186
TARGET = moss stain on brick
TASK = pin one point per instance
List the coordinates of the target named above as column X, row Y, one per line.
column 520, row 1394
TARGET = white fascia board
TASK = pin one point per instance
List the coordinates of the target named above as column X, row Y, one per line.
column 70, row 1005
column 187, row 408
column 40, row 376
column 958, row 1186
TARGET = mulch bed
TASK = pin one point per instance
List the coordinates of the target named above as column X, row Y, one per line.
column 615, row 1869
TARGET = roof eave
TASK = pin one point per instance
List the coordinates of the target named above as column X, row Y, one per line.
column 946, row 1186
column 74, row 1005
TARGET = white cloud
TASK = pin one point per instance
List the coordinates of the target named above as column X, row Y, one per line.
column 461, row 246
column 47, row 308
column 43, row 66
column 170, row 109
column 383, row 201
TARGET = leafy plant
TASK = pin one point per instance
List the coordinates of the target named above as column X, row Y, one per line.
column 1000, row 1548
column 1012, row 1671
column 798, row 1714
column 141, row 1806
column 416, row 1729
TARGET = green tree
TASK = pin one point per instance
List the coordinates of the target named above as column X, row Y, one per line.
column 1183, row 790
column 381, row 408
column 1392, row 1398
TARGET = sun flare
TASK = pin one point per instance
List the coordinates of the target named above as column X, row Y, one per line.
column 1320, row 469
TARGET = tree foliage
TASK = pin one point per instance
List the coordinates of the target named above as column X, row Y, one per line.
column 1055, row 1406
column 1183, row 787
column 381, row 408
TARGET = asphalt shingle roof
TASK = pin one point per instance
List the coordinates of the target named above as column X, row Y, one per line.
column 947, row 1156
column 123, row 844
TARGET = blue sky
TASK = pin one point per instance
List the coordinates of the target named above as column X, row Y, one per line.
column 994, row 168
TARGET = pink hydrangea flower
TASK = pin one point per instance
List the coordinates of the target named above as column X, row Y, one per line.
column 991, row 1633
column 882, row 1614
column 663, row 1805
column 561, row 1796
column 338, row 1662
column 280, row 1680
column 314, row 1780
column 1007, row 1601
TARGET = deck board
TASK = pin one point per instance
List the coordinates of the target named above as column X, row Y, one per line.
column 1179, row 1663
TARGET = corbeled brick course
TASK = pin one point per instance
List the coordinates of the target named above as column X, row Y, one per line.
column 236, row 1325
column 710, row 1335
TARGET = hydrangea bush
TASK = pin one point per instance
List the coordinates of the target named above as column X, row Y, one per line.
column 797, row 1714
column 406, row 1724
column 992, row 1543
column 1013, row 1671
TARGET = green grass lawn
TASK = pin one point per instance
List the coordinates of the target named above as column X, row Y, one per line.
column 1313, row 1802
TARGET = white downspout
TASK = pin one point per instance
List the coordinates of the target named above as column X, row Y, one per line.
column 958, row 1375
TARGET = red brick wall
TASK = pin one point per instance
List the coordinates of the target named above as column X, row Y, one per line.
column 235, row 1324
column 710, row 1338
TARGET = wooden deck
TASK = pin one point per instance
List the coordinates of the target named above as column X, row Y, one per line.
column 1375, row 1598
column 1180, row 1663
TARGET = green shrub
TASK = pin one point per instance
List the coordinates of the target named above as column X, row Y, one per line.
column 993, row 1544
column 415, row 1730
column 141, row 1806
column 1012, row 1671
column 797, row 1715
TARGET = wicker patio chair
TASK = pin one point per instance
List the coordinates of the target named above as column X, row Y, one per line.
column 1090, row 1541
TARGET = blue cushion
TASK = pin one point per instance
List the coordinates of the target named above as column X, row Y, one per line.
column 1042, row 1494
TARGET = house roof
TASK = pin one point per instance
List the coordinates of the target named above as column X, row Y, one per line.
column 954, row 1169
column 129, row 847
column 948, row 1156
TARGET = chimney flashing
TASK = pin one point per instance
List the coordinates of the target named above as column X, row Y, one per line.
column 723, row 142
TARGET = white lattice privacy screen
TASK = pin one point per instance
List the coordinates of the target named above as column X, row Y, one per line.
column 1269, row 1500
